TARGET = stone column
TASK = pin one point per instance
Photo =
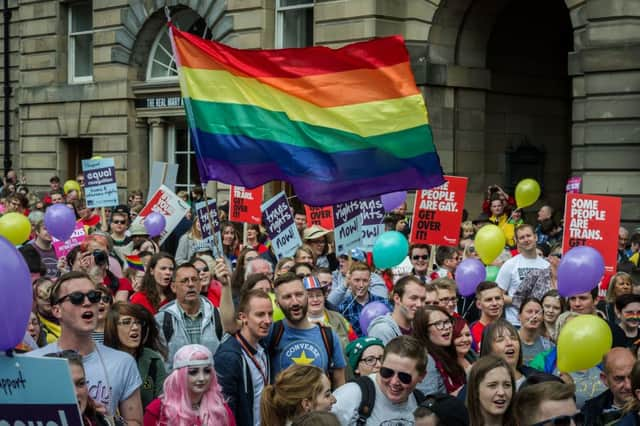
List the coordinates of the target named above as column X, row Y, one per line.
column 157, row 138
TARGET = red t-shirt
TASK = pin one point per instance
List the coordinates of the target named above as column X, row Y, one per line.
column 140, row 298
column 214, row 292
column 476, row 333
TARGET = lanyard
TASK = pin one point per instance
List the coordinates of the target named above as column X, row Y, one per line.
column 247, row 350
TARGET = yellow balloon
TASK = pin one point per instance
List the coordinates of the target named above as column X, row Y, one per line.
column 527, row 192
column 489, row 243
column 71, row 185
column 277, row 312
column 96, row 157
column 582, row 343
column 15, row 227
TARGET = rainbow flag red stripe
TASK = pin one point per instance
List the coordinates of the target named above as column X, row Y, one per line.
column 134, row 262
column 339, row 124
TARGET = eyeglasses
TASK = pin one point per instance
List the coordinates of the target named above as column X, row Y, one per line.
column 119, row 222
column 577, row 419
column 372, row 360
column 129, row 322
column 187, row 279
column 558, row 255
column 106, row 298
column 420, row 257
column 77, row 297
column 204, row 269
column 441, row 325
column 388, row 373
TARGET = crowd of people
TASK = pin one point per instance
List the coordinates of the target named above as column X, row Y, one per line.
column 169, row 335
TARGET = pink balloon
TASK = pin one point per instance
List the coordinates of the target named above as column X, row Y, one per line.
column 393, row 200
column 470, row 273
column 114, row 267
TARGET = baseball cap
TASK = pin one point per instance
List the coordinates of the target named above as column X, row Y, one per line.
column 311, row 283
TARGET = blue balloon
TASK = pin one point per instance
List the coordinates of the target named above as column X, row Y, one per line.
column 390, row 249
column 15, row 295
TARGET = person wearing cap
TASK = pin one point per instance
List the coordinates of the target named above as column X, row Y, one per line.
column 192, row 395
column 54, row 184
column 317, row 311
column 441, row 409
column 364, row 355
column 137, row 231
column 318, row 239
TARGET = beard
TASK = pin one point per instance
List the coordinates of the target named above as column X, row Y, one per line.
column 289, row 315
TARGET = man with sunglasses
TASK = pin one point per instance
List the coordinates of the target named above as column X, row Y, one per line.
column 419, row 257
column 547, row 404
column 404, row 365
column 112, row 376
column 119, row 224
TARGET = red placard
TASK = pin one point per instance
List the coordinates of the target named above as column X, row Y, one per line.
column 437, row 213
column 322, row 216
column 593, row 220
column 244, row 204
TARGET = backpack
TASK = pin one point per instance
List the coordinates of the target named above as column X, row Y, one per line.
column 368, row 400
column 327, row 339
column 167, row 325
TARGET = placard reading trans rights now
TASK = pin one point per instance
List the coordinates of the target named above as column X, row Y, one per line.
column 37, row 391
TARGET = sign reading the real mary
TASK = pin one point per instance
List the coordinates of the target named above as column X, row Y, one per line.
column 37, row 391
column 278, row 220
column 437, row 213
column 100, row 188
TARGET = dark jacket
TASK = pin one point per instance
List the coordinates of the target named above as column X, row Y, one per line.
column 631, row 419
column 234, row 376
column 594, row 408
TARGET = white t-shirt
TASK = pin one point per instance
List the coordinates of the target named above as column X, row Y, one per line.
column 348, row 397
column 510, row 277
column 108, row 372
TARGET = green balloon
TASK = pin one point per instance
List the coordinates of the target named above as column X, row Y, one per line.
column 492, row 272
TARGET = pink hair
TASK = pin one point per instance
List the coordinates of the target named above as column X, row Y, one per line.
column 176, row 404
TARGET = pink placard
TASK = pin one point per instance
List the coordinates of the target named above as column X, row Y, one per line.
column 62, row 248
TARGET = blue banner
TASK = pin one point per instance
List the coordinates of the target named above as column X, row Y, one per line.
column 278, row 219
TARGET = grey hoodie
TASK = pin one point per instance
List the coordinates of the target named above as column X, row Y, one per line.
column 384, row 328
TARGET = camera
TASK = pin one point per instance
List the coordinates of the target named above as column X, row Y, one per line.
column 100, row 257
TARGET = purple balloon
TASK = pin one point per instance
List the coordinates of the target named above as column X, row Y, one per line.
column 154, row 224
column 393, row 200
column 60, row 221
column 370, row 312
column 15, row 296
column 470, row 273
column 579, row 271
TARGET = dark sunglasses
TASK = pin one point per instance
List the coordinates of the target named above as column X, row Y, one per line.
column 420, row 257
column 106, row 298
column 204, row 269
column 77, row 297
column 578, row 420
column 558, row 255
column 120, row 222
column 388, row 373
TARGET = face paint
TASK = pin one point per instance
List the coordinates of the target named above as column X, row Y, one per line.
column 631, row 316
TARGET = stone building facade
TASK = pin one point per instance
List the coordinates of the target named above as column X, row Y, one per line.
column 547, row 89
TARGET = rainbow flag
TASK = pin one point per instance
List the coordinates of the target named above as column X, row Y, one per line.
column 134, row 262
column 338, row 124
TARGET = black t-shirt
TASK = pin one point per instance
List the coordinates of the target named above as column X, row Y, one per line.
column 620, row 339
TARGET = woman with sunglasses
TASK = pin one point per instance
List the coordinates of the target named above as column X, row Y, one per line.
column 211, row 288
column 156, row 284
column 490, row 391
column 297, row 390
column 49, row 323
column 104, row 306
column 192, row 395
column 132, row 329
column 433, row 327
column 539, row 281
column 619, row 284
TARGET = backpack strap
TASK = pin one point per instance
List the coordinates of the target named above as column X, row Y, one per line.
column 218, row 323
column 368, row 400
column 167, row 327
column 278, row 331
column 327, row 339
column 419, row 396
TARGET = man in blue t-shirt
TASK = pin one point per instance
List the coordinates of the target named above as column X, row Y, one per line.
column 296, row 340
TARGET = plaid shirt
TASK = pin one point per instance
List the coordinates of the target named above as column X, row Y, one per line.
column 192, row 324
column 351, row 310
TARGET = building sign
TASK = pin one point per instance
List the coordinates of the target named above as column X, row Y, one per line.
column 155, row 102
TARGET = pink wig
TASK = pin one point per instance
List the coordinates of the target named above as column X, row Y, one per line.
column 176, row 404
